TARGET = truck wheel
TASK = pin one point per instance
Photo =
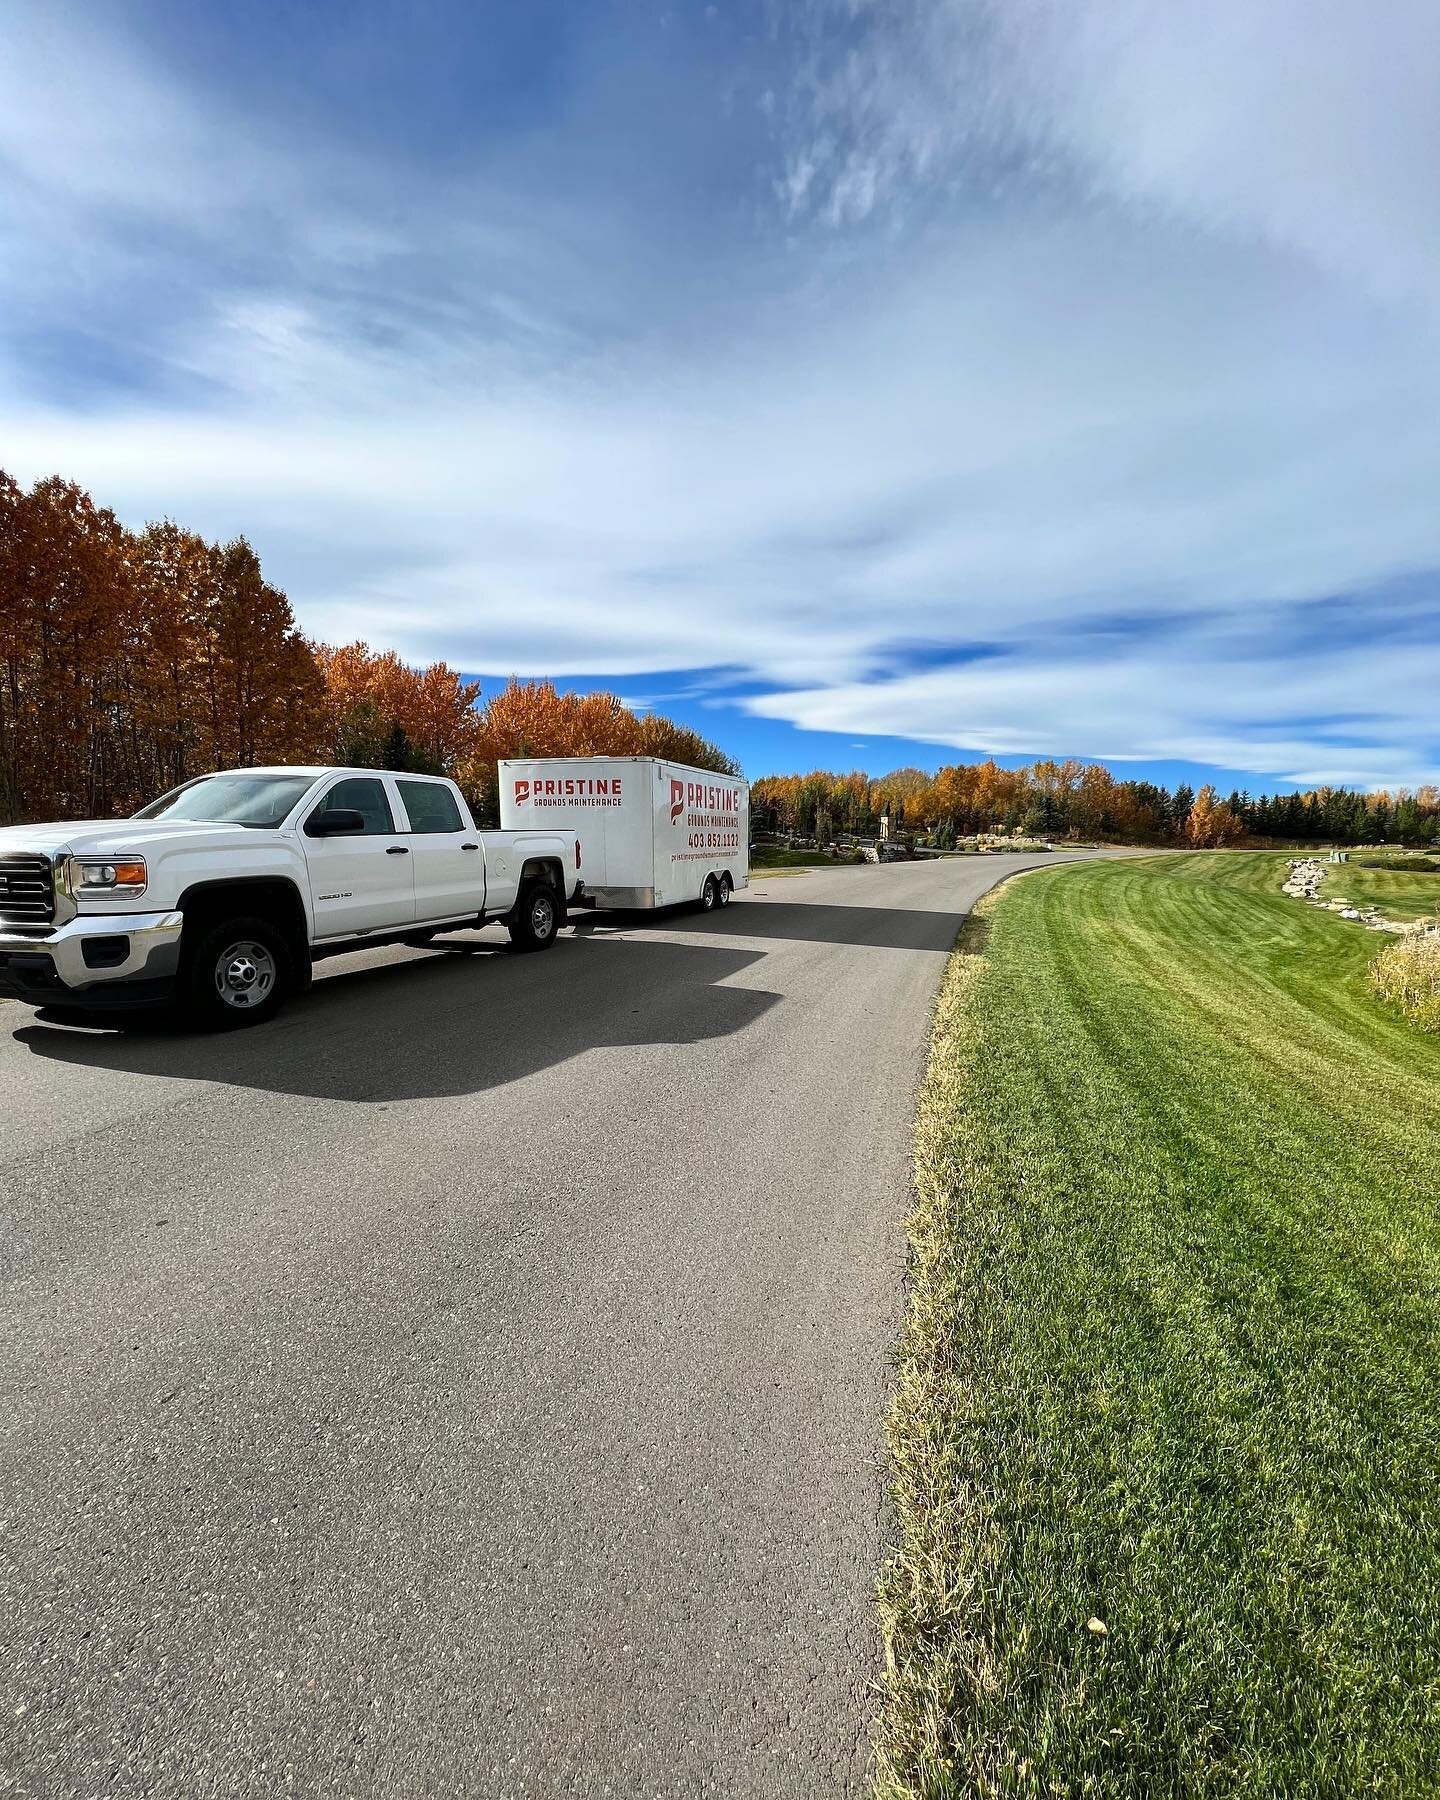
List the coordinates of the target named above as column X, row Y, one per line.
column 709, row 894
column 727, row 888
column 537, row 917
column 237, row 974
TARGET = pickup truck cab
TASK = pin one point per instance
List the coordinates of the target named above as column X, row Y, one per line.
column 221, row 894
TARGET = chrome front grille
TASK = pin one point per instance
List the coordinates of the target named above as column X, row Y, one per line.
column 27, row 890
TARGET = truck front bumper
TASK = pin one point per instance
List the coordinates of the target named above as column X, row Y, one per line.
column 123, row 959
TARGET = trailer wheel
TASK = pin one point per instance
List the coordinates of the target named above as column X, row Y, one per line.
column 727, row 888
column 709, row 894
column 237, row 973
column 537, row 917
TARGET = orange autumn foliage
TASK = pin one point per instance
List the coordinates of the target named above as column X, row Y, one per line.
column 132, row 661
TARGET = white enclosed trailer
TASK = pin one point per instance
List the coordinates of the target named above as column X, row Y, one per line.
column 651, row 833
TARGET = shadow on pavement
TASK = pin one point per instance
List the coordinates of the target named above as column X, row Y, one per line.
column 868, row 927
column 441, row 1024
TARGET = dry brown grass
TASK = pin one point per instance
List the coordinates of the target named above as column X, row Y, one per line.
column 1407, row 973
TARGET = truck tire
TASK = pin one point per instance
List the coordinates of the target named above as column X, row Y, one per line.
column 237, row 973
column 709, row 894
column 727, row 888
column 539, row 914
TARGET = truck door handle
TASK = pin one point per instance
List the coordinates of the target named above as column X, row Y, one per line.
column 469, row 846
column 397, row 850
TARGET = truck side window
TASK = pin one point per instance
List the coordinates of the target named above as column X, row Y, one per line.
column 365, row 797
column 430, row 806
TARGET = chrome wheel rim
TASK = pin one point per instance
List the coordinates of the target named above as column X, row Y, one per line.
column 245, row 975
column 542, row 915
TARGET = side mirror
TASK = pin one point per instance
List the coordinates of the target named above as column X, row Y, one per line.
column 335, row 821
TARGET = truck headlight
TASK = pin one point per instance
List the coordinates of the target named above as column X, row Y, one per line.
column 101, row 875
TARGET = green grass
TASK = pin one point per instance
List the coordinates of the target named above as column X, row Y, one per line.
column 1407, row 861
column 770, row 856
column 1172, row 1358
column 1408, row 894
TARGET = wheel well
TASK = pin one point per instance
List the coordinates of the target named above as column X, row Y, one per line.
column 543, row 868
column 267, row 897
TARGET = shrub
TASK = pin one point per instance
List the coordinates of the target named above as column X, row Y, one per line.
column 1407, row 973
column 1407, row 865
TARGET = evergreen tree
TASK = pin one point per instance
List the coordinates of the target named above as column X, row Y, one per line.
column 1180, row 804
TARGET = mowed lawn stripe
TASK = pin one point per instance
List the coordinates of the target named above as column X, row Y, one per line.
column 1171, row 1358
column 1404, row 892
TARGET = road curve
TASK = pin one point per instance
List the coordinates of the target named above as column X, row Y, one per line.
column 474, row 1381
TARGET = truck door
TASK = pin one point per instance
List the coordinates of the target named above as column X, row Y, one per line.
column 363, row 882
column 448, row 862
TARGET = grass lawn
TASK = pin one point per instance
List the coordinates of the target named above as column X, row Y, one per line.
column 769, row 856
column 1172, row 1360
column 1400, row 894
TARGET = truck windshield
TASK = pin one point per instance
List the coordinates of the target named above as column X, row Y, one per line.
column 261, row 801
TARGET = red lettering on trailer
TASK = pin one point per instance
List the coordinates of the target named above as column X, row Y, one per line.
column 708, row 799
column 551, row 790
column 677, row 801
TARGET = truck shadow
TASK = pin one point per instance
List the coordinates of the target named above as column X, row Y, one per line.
column 434, row 1024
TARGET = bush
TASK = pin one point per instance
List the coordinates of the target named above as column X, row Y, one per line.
column 1407, row 973
column 1406, row 865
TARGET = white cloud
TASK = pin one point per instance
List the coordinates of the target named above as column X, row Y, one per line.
column 1084, row 310
column 1309, row 124
column 1205, row 697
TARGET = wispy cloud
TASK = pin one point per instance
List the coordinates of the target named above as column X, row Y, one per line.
column 890, row 336
column 1263, row 709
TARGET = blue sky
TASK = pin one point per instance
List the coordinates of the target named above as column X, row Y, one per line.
column 862, row 383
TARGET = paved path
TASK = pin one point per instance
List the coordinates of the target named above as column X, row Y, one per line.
column 474, row 1381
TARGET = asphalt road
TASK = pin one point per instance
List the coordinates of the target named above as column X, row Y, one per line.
column 474, row 1381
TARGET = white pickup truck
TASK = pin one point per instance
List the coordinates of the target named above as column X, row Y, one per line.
column 221, row 894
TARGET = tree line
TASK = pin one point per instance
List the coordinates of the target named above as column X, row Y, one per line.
column 1050, row 799
column 131, row 661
